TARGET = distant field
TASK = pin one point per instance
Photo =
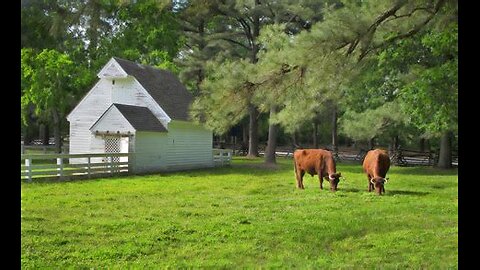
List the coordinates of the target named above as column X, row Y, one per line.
column 243, row 216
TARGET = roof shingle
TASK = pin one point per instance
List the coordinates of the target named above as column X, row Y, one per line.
column 141, row 118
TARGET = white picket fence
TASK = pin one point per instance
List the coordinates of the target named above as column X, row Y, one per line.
column 57, row 165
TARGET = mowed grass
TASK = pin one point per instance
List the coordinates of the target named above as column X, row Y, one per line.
column 242, row 217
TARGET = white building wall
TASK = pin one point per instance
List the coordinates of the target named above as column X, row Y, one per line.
column 150, row 152
column 92, row 106
column 125, row 91
column 189, row 146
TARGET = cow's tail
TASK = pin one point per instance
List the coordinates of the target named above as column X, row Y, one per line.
column 294, row 166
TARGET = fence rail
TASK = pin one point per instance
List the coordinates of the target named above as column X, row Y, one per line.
column 57, row 166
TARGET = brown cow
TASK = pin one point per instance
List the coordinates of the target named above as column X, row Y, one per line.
column 315, row 161
column 376, row 165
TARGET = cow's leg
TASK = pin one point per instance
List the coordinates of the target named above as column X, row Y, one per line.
column 370, row 185
column 299, row 176
column 302, row 173
column 320, row 179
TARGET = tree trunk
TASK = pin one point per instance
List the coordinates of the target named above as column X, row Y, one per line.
column 272, row 139
column 252, row 110
column 44, row 134
column 255, row 34
column 371, row 143
column 27, row 132
column 395, row 143
column 295, row 144
column 422, row 145
column 315, row 135
column 334, row 130
column 253, row 132
column 445, row 156
column 395, row 159
column 56, row 132
column 245, row 133
column 201, row 44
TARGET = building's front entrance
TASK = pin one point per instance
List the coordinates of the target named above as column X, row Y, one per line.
column 117, row 144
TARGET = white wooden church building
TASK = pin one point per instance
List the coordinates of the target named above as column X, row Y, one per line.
column 140, row 110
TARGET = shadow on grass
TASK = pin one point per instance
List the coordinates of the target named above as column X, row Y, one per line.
column 355, row 190
column 422, row 170
column 388, row 192
column 406, row 192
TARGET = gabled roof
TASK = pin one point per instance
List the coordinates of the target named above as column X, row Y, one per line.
column 141, row 118
column 163, row 86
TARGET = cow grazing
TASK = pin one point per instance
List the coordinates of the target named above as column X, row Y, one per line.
column 315, row 161
column 376, row 165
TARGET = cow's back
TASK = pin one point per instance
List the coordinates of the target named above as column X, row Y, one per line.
column 376, row 162
column 310, row 160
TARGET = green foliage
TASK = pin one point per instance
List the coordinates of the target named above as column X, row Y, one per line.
column 427, row 68
column 225, row 97
column 385, row 121
column 433, row 98
column 245, row 216
column 49, row 81
column 147, row 28
column 36, row 25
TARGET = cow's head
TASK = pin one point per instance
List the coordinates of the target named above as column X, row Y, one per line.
column 378, row 183
column 334, row 178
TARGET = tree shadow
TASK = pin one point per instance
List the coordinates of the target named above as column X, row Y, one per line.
column 354, row 190
column 423, row 170
column 406, row 192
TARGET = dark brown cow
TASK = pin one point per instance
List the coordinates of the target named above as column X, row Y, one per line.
column 315, row 161
column 376, row 165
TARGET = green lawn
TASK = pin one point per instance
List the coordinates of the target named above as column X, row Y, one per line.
column 244, row 216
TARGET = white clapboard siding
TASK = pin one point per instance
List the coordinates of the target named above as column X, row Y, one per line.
column 113, row 121
column 129, row 91
column 92, row 106
column 189, row 146
column 150, row 151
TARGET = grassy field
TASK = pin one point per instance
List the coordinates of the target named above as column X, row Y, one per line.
column 243, row 216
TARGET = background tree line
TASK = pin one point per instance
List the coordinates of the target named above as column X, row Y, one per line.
column 356, row 70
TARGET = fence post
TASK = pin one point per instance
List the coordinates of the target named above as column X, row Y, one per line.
column 60, row 167
column 111, row 165
column 28, row 164
column 88, row 167
column 223, row 156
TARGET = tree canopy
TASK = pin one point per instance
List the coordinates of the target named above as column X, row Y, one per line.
column 381, row 67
